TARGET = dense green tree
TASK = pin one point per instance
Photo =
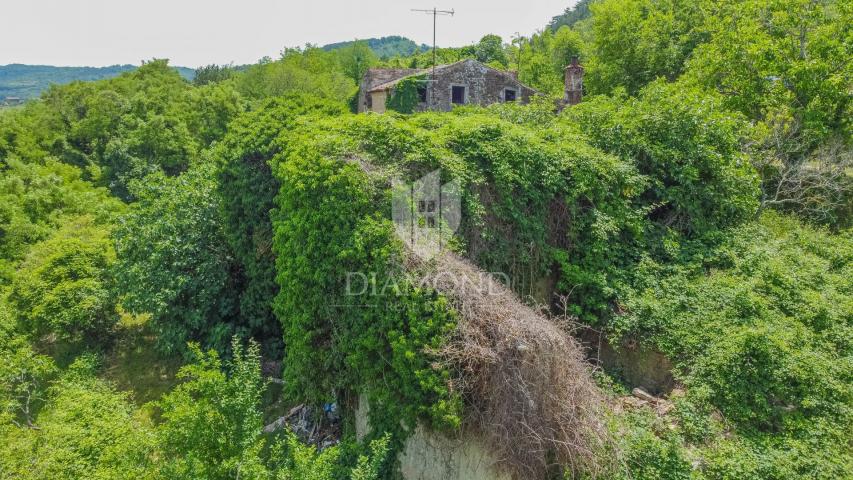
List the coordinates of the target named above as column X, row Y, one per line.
column 310, row 70
column 636, row 41
column 212, row 74
column 248, row 188
column 687, row 144
column 490, row 49
column 698, row 181
column 782, row 56
column 355, row 59
column 542, row 58
column 143, row 121
column 760, row 329
column 30, row 133
column 785, row 64
column 174, row 261
column 63, row 288
column 208, row 110
column 38, row 197
column 24, row 374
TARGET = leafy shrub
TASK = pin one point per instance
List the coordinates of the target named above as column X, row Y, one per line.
column 760, row 331
column 296, row 461
column 64, row 287
column 650, row 454
column 819, row 455
column 212, row 422
column 212, row 429
column 85, row 430
column 24, row 374
column 687, row 145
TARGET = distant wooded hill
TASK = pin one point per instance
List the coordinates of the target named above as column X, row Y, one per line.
column 28, row 81
column 572, row 15
column 386, row 47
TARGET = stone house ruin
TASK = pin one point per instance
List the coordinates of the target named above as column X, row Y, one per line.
column 461, row 83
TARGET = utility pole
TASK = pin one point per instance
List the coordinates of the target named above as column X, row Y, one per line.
column 435, row 13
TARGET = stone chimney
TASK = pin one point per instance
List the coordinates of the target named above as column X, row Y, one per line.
column 574, row 83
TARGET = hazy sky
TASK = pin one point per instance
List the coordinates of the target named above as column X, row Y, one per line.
column 198, row 32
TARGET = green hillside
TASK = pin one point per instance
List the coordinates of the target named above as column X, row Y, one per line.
column 28, row 81
column 385, row 47
column 574, row 14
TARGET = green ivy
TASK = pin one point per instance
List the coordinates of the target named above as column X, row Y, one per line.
column 405, row 98
column 248, row 188
column 331, row 221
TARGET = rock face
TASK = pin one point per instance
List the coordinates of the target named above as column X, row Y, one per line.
column 432, row 456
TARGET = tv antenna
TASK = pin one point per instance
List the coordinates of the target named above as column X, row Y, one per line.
column 435, row 14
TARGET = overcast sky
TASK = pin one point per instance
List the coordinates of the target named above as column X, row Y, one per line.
column 199, row 32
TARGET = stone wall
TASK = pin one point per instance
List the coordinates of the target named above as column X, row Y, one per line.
column 377, row 101
column 428, row 455
column 638, row 365
column 484, row 85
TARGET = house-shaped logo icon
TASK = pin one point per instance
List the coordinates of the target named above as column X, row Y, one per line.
column 426, row 213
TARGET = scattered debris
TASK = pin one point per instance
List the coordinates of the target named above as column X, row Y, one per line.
column 640, row 398
column 310, row 426
column 644, row 395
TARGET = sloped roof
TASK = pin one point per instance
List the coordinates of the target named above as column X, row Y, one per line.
column 394, row 79
column 375, row 77
column 387, row 85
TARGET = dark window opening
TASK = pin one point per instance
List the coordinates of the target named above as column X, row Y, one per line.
column 431, row 206
column 509, row 95
column 430, row 222
column 458, row 95
column 422, row 93
column 421, row 206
